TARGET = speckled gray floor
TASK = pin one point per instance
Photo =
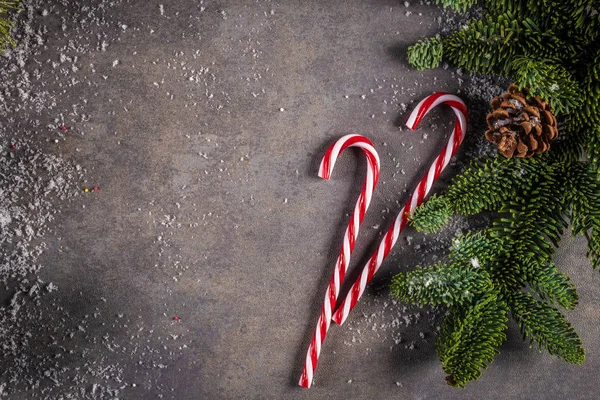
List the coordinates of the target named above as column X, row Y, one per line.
column 205, row 123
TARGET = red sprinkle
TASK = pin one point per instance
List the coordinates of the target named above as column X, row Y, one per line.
column 96, row 188
column 175, row 318
column 14, row 146
column 64, row 128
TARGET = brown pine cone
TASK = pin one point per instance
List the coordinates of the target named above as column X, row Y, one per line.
column 521, row 125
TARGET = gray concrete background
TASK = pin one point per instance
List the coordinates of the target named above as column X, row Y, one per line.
column 210, row 209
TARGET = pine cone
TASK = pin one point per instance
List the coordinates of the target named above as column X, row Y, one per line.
column 521, row 125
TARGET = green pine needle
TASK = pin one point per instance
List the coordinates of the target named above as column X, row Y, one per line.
column 553, row 48
column 6, row 24
column 441, row 284
column 426, row 53
column 554, row 287
column 486, row 185
column 547, row 327
column 457, row 5
column 548, row 80
column 484, row 45
column 433, row 215
column 470, row 337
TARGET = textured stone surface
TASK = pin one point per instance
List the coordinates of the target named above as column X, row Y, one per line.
column 210, row 209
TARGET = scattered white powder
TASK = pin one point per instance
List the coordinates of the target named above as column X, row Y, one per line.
column 33, row 308
column 49, row 349
column 4, row 218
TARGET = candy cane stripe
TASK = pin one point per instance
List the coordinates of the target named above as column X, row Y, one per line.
column 333, row 289
column 424, row 186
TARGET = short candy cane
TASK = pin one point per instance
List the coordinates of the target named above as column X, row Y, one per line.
column 343, row 260
column 414, row 200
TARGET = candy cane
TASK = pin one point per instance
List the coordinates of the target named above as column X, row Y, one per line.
column 343, row 260
column 415, row 199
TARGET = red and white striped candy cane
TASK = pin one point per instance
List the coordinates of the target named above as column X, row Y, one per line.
column 343, row 260
column 415, row 199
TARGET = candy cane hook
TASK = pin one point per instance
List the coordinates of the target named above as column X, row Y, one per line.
column 415, row 199
column 343, row 260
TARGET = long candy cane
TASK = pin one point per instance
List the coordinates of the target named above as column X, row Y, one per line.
column 416, row 198
column 343, row 260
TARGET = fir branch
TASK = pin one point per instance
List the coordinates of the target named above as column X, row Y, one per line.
column 572, row 141
column 591, row 91
column 588, row 20
column 539, row 43
column 593, row 149
column 533, row 228
column 487, row 184
column 580, row 16
column 432, row 215
column 554, row 287
column 594, row 68
column 6, row 24
column 485, row 45
column 490, row 45
column 515, row 7
column 457, row 5
column 475, row 249
column 547, row 327
column 553, row 48
column 585, row 207
column 588, row 114
column 470, row 337
column 551, row 81
column 426, row 53
column 441, row 284
column 575, row 16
